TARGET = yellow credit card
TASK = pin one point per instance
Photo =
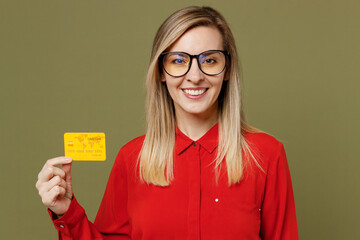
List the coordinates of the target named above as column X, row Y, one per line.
column 85, row 146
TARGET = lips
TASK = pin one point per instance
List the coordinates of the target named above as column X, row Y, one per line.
column 194, row 93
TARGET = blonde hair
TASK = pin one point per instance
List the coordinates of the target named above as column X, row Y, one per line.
column 156, row 156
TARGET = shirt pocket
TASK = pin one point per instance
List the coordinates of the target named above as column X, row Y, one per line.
column 232, row 215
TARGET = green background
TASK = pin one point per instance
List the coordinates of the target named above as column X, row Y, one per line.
column 80, row 66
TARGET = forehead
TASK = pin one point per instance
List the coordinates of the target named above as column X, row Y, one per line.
column 198, row 39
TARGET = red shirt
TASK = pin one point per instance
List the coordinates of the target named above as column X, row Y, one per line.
column 261, row 206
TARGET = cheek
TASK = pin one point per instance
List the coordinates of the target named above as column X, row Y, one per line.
column 171, row 88
column 172, row 83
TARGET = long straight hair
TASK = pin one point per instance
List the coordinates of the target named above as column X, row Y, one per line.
column 157, row 153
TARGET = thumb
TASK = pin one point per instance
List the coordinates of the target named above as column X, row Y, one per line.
column 67, row 169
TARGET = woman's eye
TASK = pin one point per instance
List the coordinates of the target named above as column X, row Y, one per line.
column 178, row 61
column 210, row 61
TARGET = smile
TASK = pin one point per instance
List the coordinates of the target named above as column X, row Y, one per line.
column 195, row 92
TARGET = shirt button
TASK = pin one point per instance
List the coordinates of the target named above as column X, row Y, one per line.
column 62, row 226
column 216, row 200
column 194, row 144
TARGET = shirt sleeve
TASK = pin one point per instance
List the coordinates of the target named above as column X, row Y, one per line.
column 278, row 218
column 111, row 222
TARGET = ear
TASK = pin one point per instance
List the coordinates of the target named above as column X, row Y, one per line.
column 227, row 68
column 162, row 75
column 226, row 75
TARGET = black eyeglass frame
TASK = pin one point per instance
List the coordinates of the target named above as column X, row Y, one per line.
column 162, row 57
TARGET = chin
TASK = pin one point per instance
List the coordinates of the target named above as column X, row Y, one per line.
column 198, row 111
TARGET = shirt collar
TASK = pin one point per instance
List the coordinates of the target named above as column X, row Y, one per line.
column 209, row 141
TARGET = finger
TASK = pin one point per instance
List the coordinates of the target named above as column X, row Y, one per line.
column 62, row 193
column 58, row 161
column 58, row 172
column 47, row 173
column 49, row 170
column 50, row 198
column 47, row 186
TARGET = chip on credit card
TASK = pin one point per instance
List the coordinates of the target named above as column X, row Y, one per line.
column 85, row 146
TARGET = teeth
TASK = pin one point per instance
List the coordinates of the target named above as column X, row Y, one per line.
column 194, row 92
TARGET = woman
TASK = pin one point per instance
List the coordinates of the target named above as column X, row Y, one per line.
column 200, row 172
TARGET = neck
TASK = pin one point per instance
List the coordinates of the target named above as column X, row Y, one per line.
column 195, row 126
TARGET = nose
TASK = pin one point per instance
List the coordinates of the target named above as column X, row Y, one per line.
column 194, row 74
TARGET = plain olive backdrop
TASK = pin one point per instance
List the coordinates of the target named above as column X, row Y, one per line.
column 80, row 66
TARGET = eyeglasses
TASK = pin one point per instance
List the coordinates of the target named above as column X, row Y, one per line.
column 177, row 64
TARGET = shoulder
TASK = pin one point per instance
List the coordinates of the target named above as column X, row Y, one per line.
column 133, row 146
column 130, row 151
column 265, row 148
column 263, row 141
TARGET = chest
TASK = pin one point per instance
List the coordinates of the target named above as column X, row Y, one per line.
column 195, row 205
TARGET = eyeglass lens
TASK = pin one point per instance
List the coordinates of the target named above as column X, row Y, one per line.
column 210, row 62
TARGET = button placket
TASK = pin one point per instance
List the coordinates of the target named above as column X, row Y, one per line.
column 195, row 189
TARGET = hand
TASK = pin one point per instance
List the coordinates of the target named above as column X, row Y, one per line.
column 54, row 185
